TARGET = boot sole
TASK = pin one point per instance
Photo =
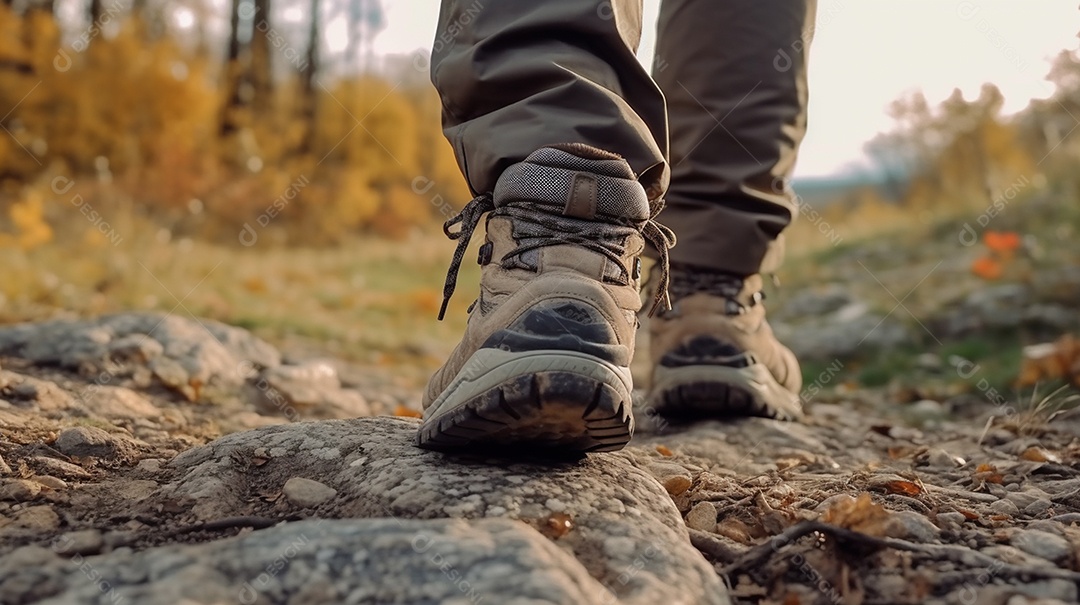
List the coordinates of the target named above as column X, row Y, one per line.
column 707, row 391
column 561, row 401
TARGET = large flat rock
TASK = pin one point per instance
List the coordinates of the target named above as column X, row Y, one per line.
column 624, row 529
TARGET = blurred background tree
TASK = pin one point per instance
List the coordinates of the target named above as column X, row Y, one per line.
column 152, row 113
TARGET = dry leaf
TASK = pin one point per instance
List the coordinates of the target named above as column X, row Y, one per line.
column 557, row 525
column 968, row 514
column 905, row 488
column 1051, row 361
column 664, row 451
column 1038, row 454
column 859, row 514
column 987, row 268
column 408, row 412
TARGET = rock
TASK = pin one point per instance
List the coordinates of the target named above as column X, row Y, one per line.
column 82, row 542
column 37, row 518
column 1051, row 547
column 378, row 472
column 1027, row 497
column 1063, row 590
column 150, row 465
column 208, row 353
column 1004, row 507
column 951, row 520
column 313, row 386
column 307, row 493
column 88, row 441
column 4, row 468
column 19, row 490
column 135, row 348
column 939, row 458
column 54, row 466
column 119, row 403
column 1038, row 507
column 673, row 477
column 842, row 336
column 49, row 481
column 702, row 516
column 910, row 525
column 41, row 395
column 305, row 384
column 339, row 561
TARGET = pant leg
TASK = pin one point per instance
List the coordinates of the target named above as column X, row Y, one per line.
column 516, row 75
column 734, row 74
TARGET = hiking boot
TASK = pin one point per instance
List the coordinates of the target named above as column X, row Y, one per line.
column 545, row 360
column 714, row 354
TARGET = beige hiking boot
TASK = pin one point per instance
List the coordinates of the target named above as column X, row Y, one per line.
column 545, row 360
column 714, row 354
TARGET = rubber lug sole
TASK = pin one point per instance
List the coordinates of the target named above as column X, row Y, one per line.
column 708, row 391
column 543, row 412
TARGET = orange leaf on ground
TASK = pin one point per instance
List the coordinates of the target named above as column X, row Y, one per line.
column 664, row 451
column 1051, row 361
column 905, row 488
column 859, row 514
column 1003, row 242
column 408, row 412
column 1038, row 454
column 986, row 268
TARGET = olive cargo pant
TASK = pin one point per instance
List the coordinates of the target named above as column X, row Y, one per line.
column 515, row 76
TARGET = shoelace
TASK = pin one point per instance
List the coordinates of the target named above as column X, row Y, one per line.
column 686, row 280
column 596, row 237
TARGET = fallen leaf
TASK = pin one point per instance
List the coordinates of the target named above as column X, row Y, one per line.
column 557, row 525
column 987, row 268
column 407, row 412
column 1038, row 454
column 859, row 514
column 1051, row 361
column 664, row 451
column 905, row 488
column 968, row 514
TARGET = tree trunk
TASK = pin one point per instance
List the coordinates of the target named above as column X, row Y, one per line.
column 307, row 80
column 233, row 73
column 260, row 68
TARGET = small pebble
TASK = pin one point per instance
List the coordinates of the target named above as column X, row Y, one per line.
column 939, row 458
column 1004, row 507
column 19, row 490
column 676, row 484
column 82, row 542
column 50, row 482
column 1051, row 547
column 87, row 441
column 1038, row 507
column 702, row 516
column 150, row 465
column 911, row 525
column 951, row 520
column 307, row 493
column 4, row 468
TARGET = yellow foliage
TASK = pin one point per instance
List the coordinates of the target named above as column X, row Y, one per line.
column 28, row 219
column 138, row 118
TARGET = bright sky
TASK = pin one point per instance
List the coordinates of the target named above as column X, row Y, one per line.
column 868, row 52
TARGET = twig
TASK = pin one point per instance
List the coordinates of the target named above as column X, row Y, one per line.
column 955, row 554
column 957, row 493
column 712, row 546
